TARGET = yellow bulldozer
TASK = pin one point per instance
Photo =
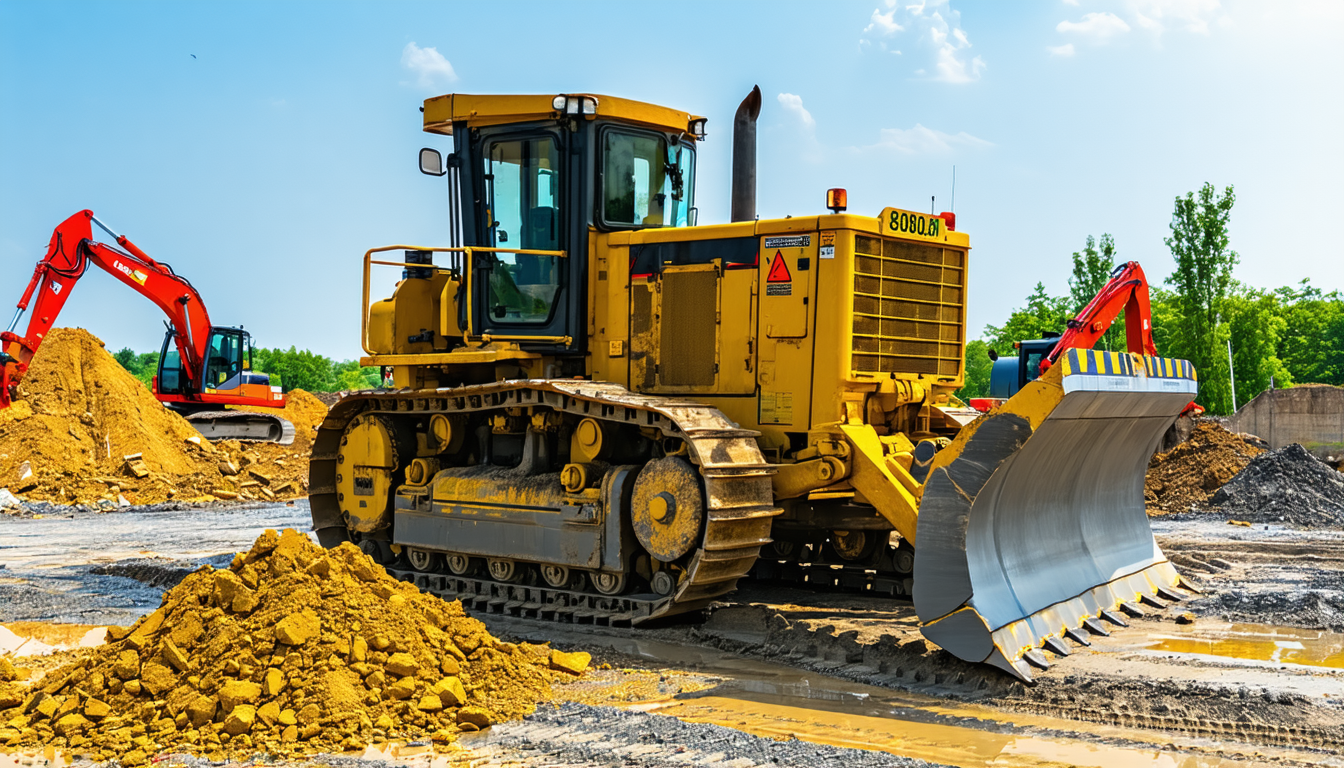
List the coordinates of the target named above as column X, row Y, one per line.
column 600, row 410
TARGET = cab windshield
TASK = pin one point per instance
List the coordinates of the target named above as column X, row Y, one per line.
column 647, row 181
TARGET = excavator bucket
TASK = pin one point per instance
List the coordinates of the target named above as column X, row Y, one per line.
column 1032, row 527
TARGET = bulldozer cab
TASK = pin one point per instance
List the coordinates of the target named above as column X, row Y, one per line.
column 530, row 177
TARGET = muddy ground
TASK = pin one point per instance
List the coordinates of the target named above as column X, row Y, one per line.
column 803, row 677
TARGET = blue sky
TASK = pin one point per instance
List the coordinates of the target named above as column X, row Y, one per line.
column 265, row 166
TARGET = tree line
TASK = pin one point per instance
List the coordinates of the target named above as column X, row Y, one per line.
column 289, row 369
column 1279, row 337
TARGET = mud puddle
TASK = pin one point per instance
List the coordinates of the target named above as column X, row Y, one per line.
column 784, row 702
column 1274, row 646
column 953, row 745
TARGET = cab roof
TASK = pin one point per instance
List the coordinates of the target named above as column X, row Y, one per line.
column 478, row 111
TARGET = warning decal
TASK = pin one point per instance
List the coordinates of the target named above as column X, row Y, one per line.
column 779, row 289
column 779, row 271
column 788, row 241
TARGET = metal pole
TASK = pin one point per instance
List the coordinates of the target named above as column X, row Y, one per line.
column 1232, row 375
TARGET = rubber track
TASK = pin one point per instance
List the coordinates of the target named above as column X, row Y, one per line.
column 738, row 491
column 201, row 418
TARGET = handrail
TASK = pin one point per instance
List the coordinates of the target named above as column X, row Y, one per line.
column 466, row 269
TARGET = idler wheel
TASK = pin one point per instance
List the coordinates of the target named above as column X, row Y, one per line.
column 458, row 565
column 608, row 583
column 556, row 576
column 422, row 559
column 854, row 546
column 668, row 508
column 503, row 570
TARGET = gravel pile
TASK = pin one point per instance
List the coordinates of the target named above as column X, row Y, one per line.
column 1288, row 486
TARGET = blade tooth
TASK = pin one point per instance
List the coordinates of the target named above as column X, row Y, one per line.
column 1024, row 671
column 1037, row 659
column 1147, row 599
column 1131, row 609
column 1190, row 585
column 1078, row 636
column 1096, row 627
column 1056, row 646
column 1114, row 618
column 1169, row 594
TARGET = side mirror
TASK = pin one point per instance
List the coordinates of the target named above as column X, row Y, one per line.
column 431, row 162
column 993, row 355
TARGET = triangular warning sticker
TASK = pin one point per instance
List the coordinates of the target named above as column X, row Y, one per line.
column 779, row 271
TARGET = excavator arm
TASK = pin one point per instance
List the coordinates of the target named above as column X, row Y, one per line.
column 71, row 250
column 1126, row 290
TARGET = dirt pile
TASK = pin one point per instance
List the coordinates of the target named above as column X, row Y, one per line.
column 1288, row 486
column 1182, row 479
column 79, row 416
column 269, row 470
column 292, row 650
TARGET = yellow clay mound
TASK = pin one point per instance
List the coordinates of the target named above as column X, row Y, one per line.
column 292, row 650
column 283, row 468
column 80, row 414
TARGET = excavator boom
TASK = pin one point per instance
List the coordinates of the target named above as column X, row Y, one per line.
column 201, row 389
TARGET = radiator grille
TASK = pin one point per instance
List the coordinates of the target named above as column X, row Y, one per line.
column 908, row 301
column 686, row 352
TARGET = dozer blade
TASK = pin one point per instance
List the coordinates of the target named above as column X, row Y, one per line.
column 1032, row 521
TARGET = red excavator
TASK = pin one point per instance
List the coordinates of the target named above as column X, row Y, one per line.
column 202, row 368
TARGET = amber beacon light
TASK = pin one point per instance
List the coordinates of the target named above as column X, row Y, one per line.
column 837, row 200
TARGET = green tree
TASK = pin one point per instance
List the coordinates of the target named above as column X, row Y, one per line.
column 1255, row 327
column 142, row 366
column 978, row 366
column 297, row 369
column 350, row 376
column 1092, row 269
column 1201, row 281
column 1312, row 342
column 1043, row 314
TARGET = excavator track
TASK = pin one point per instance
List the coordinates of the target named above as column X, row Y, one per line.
column 242, row 425
column 739, row 502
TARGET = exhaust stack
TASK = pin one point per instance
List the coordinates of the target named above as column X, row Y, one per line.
column 744, row 156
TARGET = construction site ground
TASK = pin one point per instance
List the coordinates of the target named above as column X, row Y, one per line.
column 787, row 675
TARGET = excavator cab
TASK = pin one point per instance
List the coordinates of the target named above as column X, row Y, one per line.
column 227, row 368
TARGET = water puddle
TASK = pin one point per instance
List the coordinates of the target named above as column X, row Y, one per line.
column 35, row 638
column 1254, row 642
column 780, row 702
column 950, row 744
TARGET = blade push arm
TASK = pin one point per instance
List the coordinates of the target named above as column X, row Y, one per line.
column 71, row 250
column 1126, row 290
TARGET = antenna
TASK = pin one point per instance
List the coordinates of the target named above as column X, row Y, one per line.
column 954, row 189
column 933, row 205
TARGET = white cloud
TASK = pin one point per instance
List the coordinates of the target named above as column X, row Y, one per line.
column 926, row 141
column 953, row 66
column 937, row 27
column 1097, row 27
column 883, row 23
column 428, row 64
column 1070, row 2
column 794, row 104
column 1060, row 50
column 1190, row 15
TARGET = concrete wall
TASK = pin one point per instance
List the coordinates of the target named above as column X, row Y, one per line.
column 1311, row 415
